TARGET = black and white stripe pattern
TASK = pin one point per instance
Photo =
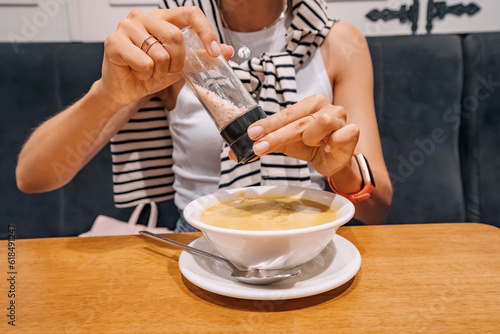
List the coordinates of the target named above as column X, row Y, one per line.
column 142, row 150
column 142, row 158
column 271, row 77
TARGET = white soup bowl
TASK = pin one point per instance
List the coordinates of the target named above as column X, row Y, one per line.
column 270, row 249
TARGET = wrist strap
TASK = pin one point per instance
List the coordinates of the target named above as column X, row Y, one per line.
column 368, row 185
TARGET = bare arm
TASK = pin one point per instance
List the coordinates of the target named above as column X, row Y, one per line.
column 60, row 147
column 353, row 89
column 329, row 139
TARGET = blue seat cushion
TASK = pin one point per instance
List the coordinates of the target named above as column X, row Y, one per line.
column 418, row 89
column 481, row 127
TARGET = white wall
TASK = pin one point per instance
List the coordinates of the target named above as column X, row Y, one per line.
column 93, row 20
column 353, row 11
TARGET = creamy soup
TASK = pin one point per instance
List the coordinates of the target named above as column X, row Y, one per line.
column 268, row 213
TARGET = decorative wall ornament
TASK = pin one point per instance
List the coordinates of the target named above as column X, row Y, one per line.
column 435, row 9
column 404, row 14
column 440, row 9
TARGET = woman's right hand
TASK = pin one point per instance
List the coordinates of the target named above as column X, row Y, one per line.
column 129, row 73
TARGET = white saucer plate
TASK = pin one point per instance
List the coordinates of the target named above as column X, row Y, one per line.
column 336, row 265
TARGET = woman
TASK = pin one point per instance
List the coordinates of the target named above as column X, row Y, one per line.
column 143, row 59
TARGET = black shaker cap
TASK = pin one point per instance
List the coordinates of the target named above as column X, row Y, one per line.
column 235, row 134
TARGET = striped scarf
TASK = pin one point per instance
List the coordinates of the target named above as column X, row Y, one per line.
column 270, row 76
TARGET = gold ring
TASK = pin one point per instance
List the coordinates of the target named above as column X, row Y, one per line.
column 150, row 45
column 314, row 116
column 146, row 41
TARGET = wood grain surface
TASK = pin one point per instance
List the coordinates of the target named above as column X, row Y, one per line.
column 429, row 278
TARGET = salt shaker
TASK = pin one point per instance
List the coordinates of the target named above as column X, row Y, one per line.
column 222, row 94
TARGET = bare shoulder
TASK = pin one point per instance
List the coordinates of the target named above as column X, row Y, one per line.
column 341, row 29
column 343, row 33
column 344, row 45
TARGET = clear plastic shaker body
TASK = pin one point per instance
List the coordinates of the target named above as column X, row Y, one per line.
column 222, row 94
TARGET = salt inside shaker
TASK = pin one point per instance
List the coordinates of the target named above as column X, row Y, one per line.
column 222, row 94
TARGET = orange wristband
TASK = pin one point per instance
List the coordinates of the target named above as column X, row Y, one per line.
column 367, row 178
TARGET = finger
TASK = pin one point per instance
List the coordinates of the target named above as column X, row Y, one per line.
column 168, row 53
column 227, row 51
column 172, row 53
column 137, row 34
column 289, row 115
column 326, row 121
column 275, row 141
column 194, row 17
column 120, row 51
column 310, row 131
column 342, row 142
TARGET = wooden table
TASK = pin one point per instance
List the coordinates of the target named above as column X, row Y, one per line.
column 433, row 278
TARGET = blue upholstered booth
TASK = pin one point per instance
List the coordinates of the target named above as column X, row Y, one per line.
column 438, row 107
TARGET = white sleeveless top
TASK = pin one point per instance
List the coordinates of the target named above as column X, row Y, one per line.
column 196, row 141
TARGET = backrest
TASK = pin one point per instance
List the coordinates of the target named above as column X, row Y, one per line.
column 481, row 127
column 37, row 81
column 433, row 137
column 418, row 90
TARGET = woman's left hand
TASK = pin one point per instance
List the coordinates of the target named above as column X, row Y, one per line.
column 313, row 130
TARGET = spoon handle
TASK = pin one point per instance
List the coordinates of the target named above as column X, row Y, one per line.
column 188, row 248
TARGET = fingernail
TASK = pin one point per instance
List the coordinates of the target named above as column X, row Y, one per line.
column 232, row 51
column 255, row 131
column 261, row 147
column 327, row 148
column 215, row 49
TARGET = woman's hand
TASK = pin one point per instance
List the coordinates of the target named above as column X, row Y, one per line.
column 61, row 146
column 312, row 130
column 129, row 72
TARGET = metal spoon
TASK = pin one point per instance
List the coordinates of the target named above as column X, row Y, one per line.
column 250, row 276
